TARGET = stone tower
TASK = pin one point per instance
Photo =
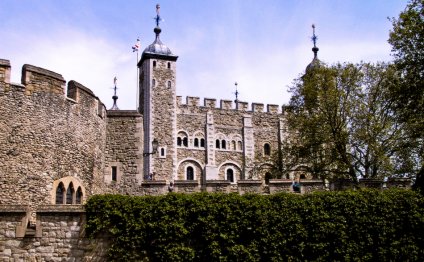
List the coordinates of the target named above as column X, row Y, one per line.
column 157, row 68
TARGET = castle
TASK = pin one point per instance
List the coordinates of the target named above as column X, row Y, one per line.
column 59, row 149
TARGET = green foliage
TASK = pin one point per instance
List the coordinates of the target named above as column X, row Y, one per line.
column 351, row 225
column 407, row 40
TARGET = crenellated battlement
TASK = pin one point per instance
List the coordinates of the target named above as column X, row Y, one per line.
column 225, row 104
column 37, row 80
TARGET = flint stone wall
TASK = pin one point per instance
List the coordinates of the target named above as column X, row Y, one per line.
column 45, row 136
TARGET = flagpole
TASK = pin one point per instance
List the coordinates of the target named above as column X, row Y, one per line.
column 136, row 100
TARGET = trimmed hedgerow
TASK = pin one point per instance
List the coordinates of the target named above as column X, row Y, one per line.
column 352, row 225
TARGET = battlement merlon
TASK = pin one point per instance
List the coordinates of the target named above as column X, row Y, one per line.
column 5, row 71
column 226, row 104
column 37, row 79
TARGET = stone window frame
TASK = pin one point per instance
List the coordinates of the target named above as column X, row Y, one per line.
column 182, row 139
column 109, row 170
column 237, row 140
column 200, row 138
column 222, row 142
column 186, row 172
column 227, row 169
column 266, row 149
column 160, row 149
column 69, row 184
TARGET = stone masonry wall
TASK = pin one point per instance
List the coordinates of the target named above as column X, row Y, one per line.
column 228, row 123
column 45, row 136
column 60, row 237
column 124, row 150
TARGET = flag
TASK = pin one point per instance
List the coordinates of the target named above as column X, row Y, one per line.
column 136, row 46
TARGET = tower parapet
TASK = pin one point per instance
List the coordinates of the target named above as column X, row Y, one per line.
column 5, row 71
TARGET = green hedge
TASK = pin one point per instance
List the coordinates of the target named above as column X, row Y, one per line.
column 352, row 225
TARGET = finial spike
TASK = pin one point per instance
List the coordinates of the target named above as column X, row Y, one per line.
column 236, row 93
column 114, row 97
column 157, row 15
column 314, row 40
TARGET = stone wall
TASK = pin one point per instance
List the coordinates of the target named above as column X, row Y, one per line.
column 59, row 236
column 124, row 151
column 45, row 136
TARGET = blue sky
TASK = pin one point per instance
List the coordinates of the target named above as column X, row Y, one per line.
column 263, row 45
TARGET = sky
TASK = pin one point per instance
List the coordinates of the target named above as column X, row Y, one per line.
column 262, row 45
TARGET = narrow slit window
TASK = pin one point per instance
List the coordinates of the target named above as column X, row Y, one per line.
column 154, row 63
column 267, row 149
column 169, row 65
column 114, row 173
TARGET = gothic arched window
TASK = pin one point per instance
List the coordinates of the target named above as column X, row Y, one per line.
column 190, row 173
column 217, row 144
column 196, row 142
column 60, row 190
column 178, row 141
column 224, row 144
column 70, row 194
column 202, row 142
column 78, row 197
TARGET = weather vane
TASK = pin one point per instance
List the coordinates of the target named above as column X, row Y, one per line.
column 314, row 37
column 158, row 19
column 236, row 93
column 114, row 97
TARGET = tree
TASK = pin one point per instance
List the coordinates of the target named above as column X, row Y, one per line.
column 407, row 40
column 319, row 119
column 343, row 124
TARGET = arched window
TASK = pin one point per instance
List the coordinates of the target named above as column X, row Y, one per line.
column 302, row 176
column 233, row 145
column 190, row 173
column 230, row 175
column 239, row 146
column 224, row 144
column 60, row 190
column 185, row 141
column 267, row 149
column 70, row 193
column 154, row 63
column 178, row 141
column 78, row 197
column 202, row 142
column 217, row 144
column 169, row 65
column 162, row 151
column 196, row 142
column 169, row 84
column 267, row 177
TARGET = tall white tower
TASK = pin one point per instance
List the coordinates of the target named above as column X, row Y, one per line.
column 158, row 105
